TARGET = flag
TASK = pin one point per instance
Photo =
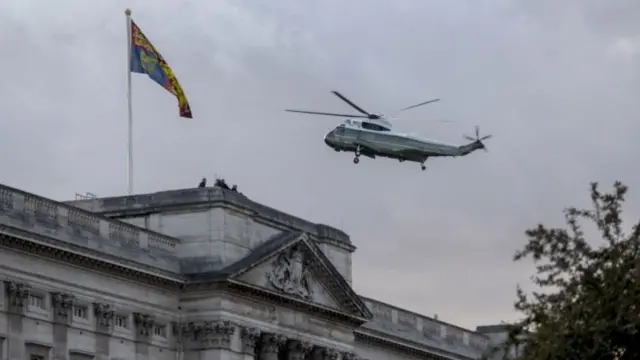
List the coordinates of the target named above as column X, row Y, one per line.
column 145, row 59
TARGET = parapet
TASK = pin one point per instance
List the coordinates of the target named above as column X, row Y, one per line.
column 61, row 225
column 398, row 323
column 127, row 206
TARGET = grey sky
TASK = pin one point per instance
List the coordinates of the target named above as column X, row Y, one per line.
column 557, row 86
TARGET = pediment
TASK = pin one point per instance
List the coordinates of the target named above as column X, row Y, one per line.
column 298, row 269
column 294, row 272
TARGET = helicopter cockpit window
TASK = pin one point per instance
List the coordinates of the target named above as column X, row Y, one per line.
column 374, row 127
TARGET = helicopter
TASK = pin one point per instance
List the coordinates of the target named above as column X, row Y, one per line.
column 372, row 137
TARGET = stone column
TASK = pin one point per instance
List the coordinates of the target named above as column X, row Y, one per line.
column 103, row 314
column 249, row 339
column 187, row 335
column 2, row 347
column 62, row 306
column 270, row 345
column 349, row 356
column 17, row 295
column 297, row 350
column 321, row 353
column 144, row 330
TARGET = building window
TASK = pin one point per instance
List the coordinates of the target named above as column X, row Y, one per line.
column 36, row 302
column 160, row 330
column 121, row 321
column 80, row 312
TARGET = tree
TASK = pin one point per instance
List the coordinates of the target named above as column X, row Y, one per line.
column 587, row 302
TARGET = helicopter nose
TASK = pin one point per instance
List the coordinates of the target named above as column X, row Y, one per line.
column 328, row 138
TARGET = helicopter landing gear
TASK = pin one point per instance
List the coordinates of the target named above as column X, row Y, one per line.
column 357, row 152
column 356, row 160
column 423, row 167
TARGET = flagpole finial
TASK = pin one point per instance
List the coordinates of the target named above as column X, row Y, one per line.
column 127, row 12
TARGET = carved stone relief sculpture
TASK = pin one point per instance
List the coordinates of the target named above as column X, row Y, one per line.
column 144, row 324
column 104, row 315
column 17, row 296
column 290, row 274
column 249, row 337
column 62, row 305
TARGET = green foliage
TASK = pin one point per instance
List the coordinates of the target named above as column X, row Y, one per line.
column 587, row 303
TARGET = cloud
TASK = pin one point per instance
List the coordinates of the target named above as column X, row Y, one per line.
column 557, row 85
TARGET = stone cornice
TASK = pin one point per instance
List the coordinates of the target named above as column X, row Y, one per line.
column 323, row 311
column 84, row 251
column 254, row 292
column 78, row 259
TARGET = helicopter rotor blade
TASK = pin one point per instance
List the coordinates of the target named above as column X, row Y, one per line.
column 422, row 103
column 350, row 103
column 477, row 132
column 485, row 137
column 396, row 119
column 326, row 114
column 468, row 138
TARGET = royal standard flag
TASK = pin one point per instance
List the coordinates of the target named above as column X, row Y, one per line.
column 145, row 59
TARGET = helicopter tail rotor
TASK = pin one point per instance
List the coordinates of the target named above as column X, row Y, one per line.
column 478, row 139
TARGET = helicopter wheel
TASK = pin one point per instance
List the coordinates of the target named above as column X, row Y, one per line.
column 356, row 160
column 423, row 167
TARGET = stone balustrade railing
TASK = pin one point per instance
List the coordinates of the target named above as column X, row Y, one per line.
column 65, row 222
column 425, row 330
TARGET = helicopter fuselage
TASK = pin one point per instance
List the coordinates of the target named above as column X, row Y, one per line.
column 374, row 139
column 372, row 136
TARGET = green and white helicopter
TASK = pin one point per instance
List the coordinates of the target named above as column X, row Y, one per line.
column 371, row 135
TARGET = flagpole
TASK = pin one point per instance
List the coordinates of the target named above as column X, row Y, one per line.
column 127, row 12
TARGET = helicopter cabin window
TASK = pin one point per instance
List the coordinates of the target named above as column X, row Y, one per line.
column 374, row 127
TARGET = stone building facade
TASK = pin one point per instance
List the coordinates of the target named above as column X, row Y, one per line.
column 193, row 274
